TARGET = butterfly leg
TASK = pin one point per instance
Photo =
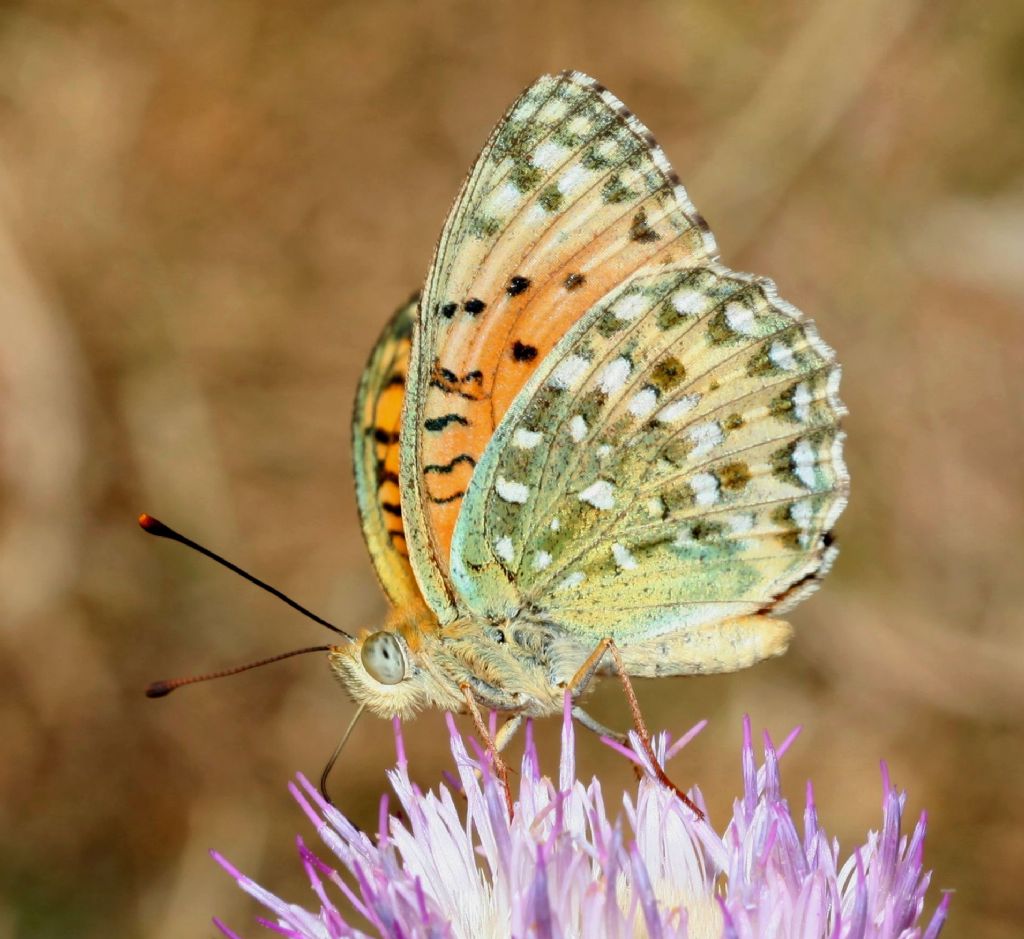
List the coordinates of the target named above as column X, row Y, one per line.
column 597, row 727
column 586, row 672
column 500, row 769
column 507, row 731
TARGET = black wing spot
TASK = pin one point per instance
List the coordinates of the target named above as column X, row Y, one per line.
column 523, row 353
column 476, row 375
column 473, row 306
column 448, row 310
column 440, row 423
column 573, row 281
column 392, row 508
column 396, row 379
column 452, row 498
column 381, row 435
column 517, row 285
column 640, row 230
column 448, row 467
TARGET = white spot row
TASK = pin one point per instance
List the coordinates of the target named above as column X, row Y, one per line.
column 526, row 439
column 541, row 561
column 572, row 580
column 613, row 376
column 569, row 371
column 554, row 110
column 601, row 495
column 705, row 437
column 644, row 401
column 804, row 459
column 740, row 524
column 572, row 179
column 623, row 559
column 577, row 428
column 655, row 507
column 630, row 307
column 740, row 319
column 689, row 302
column 502, row 201
column 802, row 398
column 705, row 488
column 504, row 548
column 677, row 409
column 511, row 491
column 782, row 356
column 548, row 155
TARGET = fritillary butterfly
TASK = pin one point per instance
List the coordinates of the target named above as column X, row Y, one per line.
column 585, row 434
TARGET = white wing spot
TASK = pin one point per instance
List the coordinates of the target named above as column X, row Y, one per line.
column 572, row 179
column 675, row 410
column 705, row 488
column 577, row 428
column 655, row 507
column 580, row 125
column 569, row 371
column 629, row 308
column 554, row 110
column 684, row 537
column 740, row 524
column 740, row 319
column 526, row 439
column 555, row 524
column 542, row 561
column 803, row 463
column 623, row 559
column 705, row 437
column 644, row 401
column 547, row 155
column 511, row 491
column 782, row 356
column 503, row 201
column 573, row 580
column 601, row 495
column 504, row 548
column 604, row 451
column 614, row 375
column 802, row 399
column 689, row 302
column 802, row 513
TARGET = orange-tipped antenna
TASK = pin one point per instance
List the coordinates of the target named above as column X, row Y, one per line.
column 159, row 688
column 155, row 527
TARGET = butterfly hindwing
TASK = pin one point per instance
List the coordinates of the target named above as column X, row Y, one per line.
column 675, row 461
column 568, row 199
column 376, row 428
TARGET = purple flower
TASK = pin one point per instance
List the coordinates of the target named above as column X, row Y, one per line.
column 562, row 868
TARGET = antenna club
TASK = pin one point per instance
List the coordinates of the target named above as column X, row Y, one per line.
column 153, row 526
column 159, row 689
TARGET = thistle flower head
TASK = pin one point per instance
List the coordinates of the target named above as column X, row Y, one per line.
column 454, row 865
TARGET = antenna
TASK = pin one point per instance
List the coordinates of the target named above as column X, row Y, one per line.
column 158, row 689
column 154, row 526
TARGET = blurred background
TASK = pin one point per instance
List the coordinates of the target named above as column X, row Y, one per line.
column 207, row 212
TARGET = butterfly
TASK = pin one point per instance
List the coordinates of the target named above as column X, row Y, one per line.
column 586, row 447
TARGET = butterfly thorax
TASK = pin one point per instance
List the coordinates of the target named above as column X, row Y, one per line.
column 515, row 665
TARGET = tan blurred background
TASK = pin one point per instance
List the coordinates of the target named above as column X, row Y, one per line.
column 207, row 211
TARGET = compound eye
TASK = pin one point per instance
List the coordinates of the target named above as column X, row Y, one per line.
column 383, row 659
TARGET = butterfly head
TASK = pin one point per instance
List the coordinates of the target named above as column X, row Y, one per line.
column 391, row 671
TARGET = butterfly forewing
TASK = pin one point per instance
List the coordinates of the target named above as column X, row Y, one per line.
column 675, row 461
column 376, row 428
column 568, row 200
